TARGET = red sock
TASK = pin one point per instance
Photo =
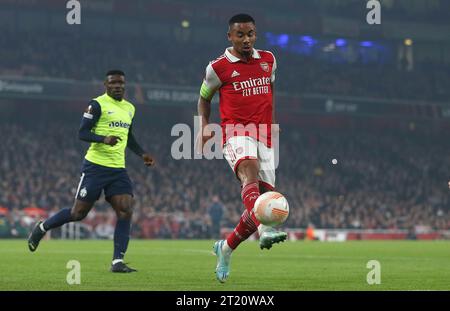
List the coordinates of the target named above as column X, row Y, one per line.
column 249, row 193
column 248, row 223
column 243, row 230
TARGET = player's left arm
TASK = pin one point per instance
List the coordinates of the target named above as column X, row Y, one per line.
column 134, row 146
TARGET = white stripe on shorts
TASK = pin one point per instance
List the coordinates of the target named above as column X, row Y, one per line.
column 79, row 185
column 231, row 153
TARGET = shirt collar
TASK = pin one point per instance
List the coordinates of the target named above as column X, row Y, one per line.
column 234, row 59
column 113, row 99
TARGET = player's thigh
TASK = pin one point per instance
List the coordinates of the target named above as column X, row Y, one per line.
column 240, row 148
column 119, row 192
column 267, row 166
column 90, row 186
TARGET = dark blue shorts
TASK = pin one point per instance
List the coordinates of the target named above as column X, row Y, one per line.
column 95, row 178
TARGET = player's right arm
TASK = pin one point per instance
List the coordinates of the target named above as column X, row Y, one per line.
column 210, row 85
column 89, row 120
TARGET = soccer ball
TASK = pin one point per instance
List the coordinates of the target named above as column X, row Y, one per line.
column 271, row 208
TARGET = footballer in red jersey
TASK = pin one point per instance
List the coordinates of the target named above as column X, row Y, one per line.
column 244, row 77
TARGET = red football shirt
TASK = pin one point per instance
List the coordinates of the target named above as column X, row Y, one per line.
column 245, row 93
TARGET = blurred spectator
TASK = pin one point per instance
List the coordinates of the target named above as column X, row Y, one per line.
column 52, row 56
column 215, row 211
column 383, row 180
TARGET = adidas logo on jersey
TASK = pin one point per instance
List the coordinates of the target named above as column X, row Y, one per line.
column 235, row 74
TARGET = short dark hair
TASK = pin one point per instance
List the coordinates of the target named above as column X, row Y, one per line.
column 241, row 18
column 115, row 72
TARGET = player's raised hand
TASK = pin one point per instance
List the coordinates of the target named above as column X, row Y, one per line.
column 111, row 140
column 148, row 159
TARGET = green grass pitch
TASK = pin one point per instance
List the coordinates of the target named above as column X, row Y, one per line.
column 189, row 265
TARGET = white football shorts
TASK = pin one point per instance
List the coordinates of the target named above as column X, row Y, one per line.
column 239, row 148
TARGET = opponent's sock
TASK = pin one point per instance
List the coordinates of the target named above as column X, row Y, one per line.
column 121, row 238
column 250, row 193
column 243, row 230
column 57, row 220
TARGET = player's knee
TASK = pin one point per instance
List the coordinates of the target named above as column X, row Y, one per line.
column 125, row 212
column 78, row 215
column 248, row 171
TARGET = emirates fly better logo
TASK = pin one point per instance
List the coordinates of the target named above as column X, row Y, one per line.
column 253, row 86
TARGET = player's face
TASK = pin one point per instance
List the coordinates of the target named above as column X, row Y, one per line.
column 242, row 36
column 115, row 86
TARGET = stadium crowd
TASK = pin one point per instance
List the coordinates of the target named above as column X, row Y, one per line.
column 382, row 180
column 57, row 57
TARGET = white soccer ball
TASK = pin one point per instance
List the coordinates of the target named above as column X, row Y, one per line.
column 271, row 208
